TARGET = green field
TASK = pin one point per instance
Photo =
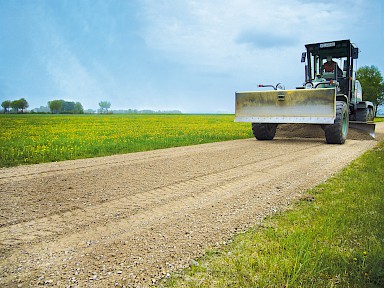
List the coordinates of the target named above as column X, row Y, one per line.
column 27, row 139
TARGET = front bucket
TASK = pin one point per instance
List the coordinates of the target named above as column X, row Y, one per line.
column 368, row 128
column 312, row 106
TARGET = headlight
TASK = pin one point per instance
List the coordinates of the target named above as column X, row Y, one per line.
column 308, row 85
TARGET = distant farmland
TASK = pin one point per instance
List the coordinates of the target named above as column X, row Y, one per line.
column 27, row 139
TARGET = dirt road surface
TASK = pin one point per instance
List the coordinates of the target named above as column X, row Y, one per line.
column 128, row 220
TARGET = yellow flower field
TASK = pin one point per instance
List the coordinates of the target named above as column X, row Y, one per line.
column 27, row 139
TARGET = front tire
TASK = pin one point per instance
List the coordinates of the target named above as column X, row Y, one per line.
column 337, row 132
column 264, row 131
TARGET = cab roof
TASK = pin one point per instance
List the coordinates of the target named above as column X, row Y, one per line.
column 336, row 49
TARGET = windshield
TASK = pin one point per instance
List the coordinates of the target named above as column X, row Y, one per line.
column 325, row 66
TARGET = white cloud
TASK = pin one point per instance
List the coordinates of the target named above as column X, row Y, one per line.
column 251, row 41
column 229, row 34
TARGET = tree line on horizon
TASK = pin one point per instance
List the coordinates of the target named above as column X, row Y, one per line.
column 68, row 107
column 65, row 107
column 54, row 107
column 15, row 105
column 370, row 78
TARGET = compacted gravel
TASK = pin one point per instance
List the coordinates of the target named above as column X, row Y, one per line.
column 129, row 220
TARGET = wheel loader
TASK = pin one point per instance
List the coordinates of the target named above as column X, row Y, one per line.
column 330, row 96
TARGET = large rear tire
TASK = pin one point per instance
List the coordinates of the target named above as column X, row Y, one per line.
column 365, row 115
column 264, row 131
column 362, row 115
column 337, row 132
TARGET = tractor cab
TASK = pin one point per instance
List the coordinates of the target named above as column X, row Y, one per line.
column 331, row 64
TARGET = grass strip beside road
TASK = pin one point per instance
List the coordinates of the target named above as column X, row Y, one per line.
column 334, row 236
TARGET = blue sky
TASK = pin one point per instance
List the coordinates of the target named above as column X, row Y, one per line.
column 190, row 55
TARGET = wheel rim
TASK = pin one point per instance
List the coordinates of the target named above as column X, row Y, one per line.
column 345, row 125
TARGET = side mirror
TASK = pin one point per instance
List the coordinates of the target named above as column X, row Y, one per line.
column 355, row 52
column 303, row 56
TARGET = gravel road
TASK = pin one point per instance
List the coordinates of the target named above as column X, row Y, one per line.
column 128, row 220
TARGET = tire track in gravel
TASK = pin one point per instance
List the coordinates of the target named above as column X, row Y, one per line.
column 179, row 202
column 85, row 185
column 36, row 230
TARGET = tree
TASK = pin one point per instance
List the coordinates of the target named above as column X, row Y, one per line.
column 65, row 107
column 6, row 105
column 68, row 107
column 72, row 108
column 23, row 104
column 15, row 105
column 79, row 108
column 104, row 106
column 55, row 106
column 372, row 83
column 20, row 104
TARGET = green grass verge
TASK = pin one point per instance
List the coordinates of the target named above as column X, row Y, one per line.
column 332, row 238
column 379, row 119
